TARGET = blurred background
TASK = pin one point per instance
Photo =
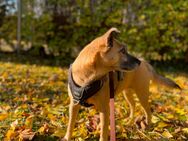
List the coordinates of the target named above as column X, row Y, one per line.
column 156, row 30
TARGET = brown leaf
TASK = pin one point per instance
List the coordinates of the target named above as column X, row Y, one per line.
column 93, row 122
column 178, row 130
column 143, row 125
column 26, row 134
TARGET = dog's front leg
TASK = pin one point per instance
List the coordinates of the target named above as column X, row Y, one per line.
column 104, row 119
column 73, row 112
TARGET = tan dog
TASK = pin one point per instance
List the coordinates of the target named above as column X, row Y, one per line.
column 102, row 55
column 138, row 81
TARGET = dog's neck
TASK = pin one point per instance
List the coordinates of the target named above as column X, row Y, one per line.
column 87, row 68
column 84, row 75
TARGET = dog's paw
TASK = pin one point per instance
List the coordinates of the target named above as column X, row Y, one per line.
column 141, row 122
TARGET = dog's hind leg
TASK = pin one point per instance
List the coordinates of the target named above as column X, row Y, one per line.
column 143, row 96
column 73, row 112
column 128, row 95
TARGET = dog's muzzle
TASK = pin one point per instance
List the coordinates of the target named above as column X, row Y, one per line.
column 130, row 63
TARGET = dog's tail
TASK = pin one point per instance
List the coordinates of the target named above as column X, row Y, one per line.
column 159, row 79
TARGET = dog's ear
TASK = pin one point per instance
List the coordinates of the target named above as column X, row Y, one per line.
column 110, row 35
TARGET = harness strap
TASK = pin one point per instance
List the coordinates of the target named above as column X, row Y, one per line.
column 81, row 94
column 120, row 75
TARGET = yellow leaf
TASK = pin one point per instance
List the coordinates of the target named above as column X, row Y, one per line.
column 10, row 135
column 59, row 133
column 45, row 128
column 51, row 117
column 44, row 112
column 167, row 134
column 180, row 111
column 29, row 122
column 155, row 119
column 24, row 106
column 56, row 123
column 170, row 116
column 41, row 130
column 45, row 99
column 3, row 116
column 185, row 130
column 64, row 119
column 162, row 125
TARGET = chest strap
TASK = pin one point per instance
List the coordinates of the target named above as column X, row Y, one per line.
column 81, row 94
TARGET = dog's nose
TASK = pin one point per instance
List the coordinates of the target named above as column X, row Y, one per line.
column 134, row 60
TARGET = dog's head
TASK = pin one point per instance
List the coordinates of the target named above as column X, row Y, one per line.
column 114, row 54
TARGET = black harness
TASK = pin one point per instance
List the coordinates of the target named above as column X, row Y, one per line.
column 81, row 94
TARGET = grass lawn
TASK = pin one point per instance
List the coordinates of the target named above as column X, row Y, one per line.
column 34, row 105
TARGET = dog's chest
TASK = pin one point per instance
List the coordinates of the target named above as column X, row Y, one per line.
column 82, row 93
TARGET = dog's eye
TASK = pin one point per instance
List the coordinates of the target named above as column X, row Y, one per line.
column 123, row 50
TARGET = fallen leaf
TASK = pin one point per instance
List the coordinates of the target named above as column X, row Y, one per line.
column 14, row 124
column 180, row 111
column 167, row 134
column 177, row 130
column 51, row 117
column 92, row 123
column 10, row 135
column 26, row 134
column 59, row 133
column 155, row 119
column 169, row 116
column 3, row 116
column 44, row 129
column 143, row 125
column 29, row 122
column 162, row 124
column 185, row 130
